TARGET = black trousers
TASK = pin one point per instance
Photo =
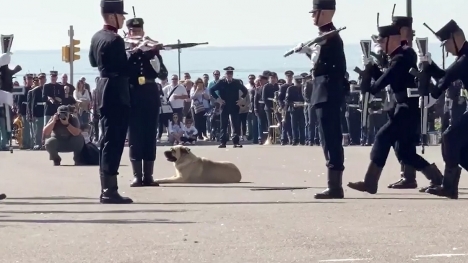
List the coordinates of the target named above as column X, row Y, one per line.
column 399, row 132
column 200, row 123
column 114, row 125
column 262, row 125
column 232, row 112
column 142, row 131
column 163, row 121
column 269, row 118
column 311, row 127
column 344, row 118
column 452, row 114
column 243, row 123
column 329, row 119
column 298, row 125
column 455, row 143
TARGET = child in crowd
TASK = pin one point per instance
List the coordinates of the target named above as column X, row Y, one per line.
column 190, row 132
column 175, row 130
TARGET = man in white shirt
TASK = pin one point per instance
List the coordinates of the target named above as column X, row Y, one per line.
column 176, row 94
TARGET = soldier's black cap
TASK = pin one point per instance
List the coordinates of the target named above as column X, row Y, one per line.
column 135, row 23
column 41, row 75
column 298, row 77
column 229, row 68
column 273, row 74
column 265, row 74
column 386, row 31
column 289, row 73
column 29, row 76
column 53, row 73
column 402, row 21
column 112, row 7
column 323, row 5
column 282, row 81
column 304, row 75
column 445, row 33
column 251, row 76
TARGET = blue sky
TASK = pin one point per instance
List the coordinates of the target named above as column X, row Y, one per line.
column 43, row 25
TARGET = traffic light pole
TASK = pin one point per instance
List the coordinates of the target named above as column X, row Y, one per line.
column 178, row 57
column 71, row 34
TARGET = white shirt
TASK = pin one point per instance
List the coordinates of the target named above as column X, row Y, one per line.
column 179, row 91
column 189, row 132
column 81, row 96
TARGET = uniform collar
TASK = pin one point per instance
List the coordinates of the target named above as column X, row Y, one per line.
column 110, row 28
column 397, row 51
column 327, row 27
column 463, row 49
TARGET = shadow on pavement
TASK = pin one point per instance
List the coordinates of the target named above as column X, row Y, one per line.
column 93, row 212
column 52, row 198
column 97, row 221
column 252, row 187
column 179, row 203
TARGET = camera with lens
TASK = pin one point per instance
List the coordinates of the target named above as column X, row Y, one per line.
column 63, row 112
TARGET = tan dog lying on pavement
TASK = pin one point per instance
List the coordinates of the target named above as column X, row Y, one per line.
column 196, row 170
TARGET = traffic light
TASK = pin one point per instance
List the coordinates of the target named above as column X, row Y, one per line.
column 75, row 50
column 66, row 54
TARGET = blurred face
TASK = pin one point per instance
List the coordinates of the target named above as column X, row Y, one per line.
column 53, row 78
column 216, row 75
column 289, row 78
column 120, row 20
column 273, row 79
column 16, row 84
column 200, row 84
column 258, row 83
column 206, row 78
column 187, row 76
column 175, row 118
column 42, row 80
column 450, row 47
column 188, row 84
column 29, row 81
column 136, row 31
column 64, row 79
column 83, row 80
column 229, row 75
column 175, row 80
column 251, row 79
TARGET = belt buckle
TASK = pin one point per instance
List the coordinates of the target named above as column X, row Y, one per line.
column 141, row 80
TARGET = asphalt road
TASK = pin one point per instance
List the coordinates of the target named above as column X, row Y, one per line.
column 52, row 214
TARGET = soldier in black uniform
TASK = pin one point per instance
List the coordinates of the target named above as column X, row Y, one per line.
column 145, row 104
column 268, row 95
column 228, row 90
column 259, row 107
column 37, row 112
column 345, row 112
column 286, row 132
column 375, row 115
column 295, row 103
column 53, row 93
column 454, row 139
column 107, row 53
column 23, row 110
column 455, row 105
column 328, row 69
column 400, row 128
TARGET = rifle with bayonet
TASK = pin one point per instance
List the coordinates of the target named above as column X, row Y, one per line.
column 322, row 38
column 366, row 78
column 423, row 82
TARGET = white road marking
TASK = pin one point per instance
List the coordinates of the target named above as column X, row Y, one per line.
column 346, row 260
column 441, row 255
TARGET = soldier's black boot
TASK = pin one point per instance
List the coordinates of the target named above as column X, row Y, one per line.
column 407, row 180
column 137, row 174
column 148, row 168
column 432, row 174
column 335, row 189
column 346, row 139
column 2, row 196
column 450, row 182
column 371, row 180
column 109, row 192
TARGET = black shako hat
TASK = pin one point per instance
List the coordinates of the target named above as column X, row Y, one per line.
column 135, row 23
column 402, row 21
column 323, row 5
column 231, row 69
column 53, row 73
column 386, row 31
column 289, row 73
column 112, row 7
column 445, row 33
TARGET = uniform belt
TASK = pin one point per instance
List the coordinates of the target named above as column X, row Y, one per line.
column 24, row 102
column 41, row 103
column 108, row 75
column 261, row 102
column 146, row 80
column 412, row 92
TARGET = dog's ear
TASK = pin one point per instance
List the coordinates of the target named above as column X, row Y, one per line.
column 184, row 150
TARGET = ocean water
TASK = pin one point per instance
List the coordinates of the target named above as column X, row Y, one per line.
column 198, row 61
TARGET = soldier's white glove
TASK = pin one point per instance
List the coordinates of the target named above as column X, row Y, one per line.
column 426, row 101
column 367, row 60
column 424, row 58
column 303, row 49
column 5, row 59
column 315, row 53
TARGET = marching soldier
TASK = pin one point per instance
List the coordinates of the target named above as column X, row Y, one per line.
column 23, row 110
column 286, row 132
column 268, row 95
column 53, row 93
column 295, row 106
column 454, row 140
column 345, row 113
column 37, row 111
column 228, row 90
column 107, row 53
column 400, row 129
column 329, row 71
column 455, row 105
column 145, row 67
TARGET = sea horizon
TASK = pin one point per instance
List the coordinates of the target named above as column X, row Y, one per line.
column 200, row 60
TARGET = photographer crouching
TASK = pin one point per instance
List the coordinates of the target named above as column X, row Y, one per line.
column 65, row 135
